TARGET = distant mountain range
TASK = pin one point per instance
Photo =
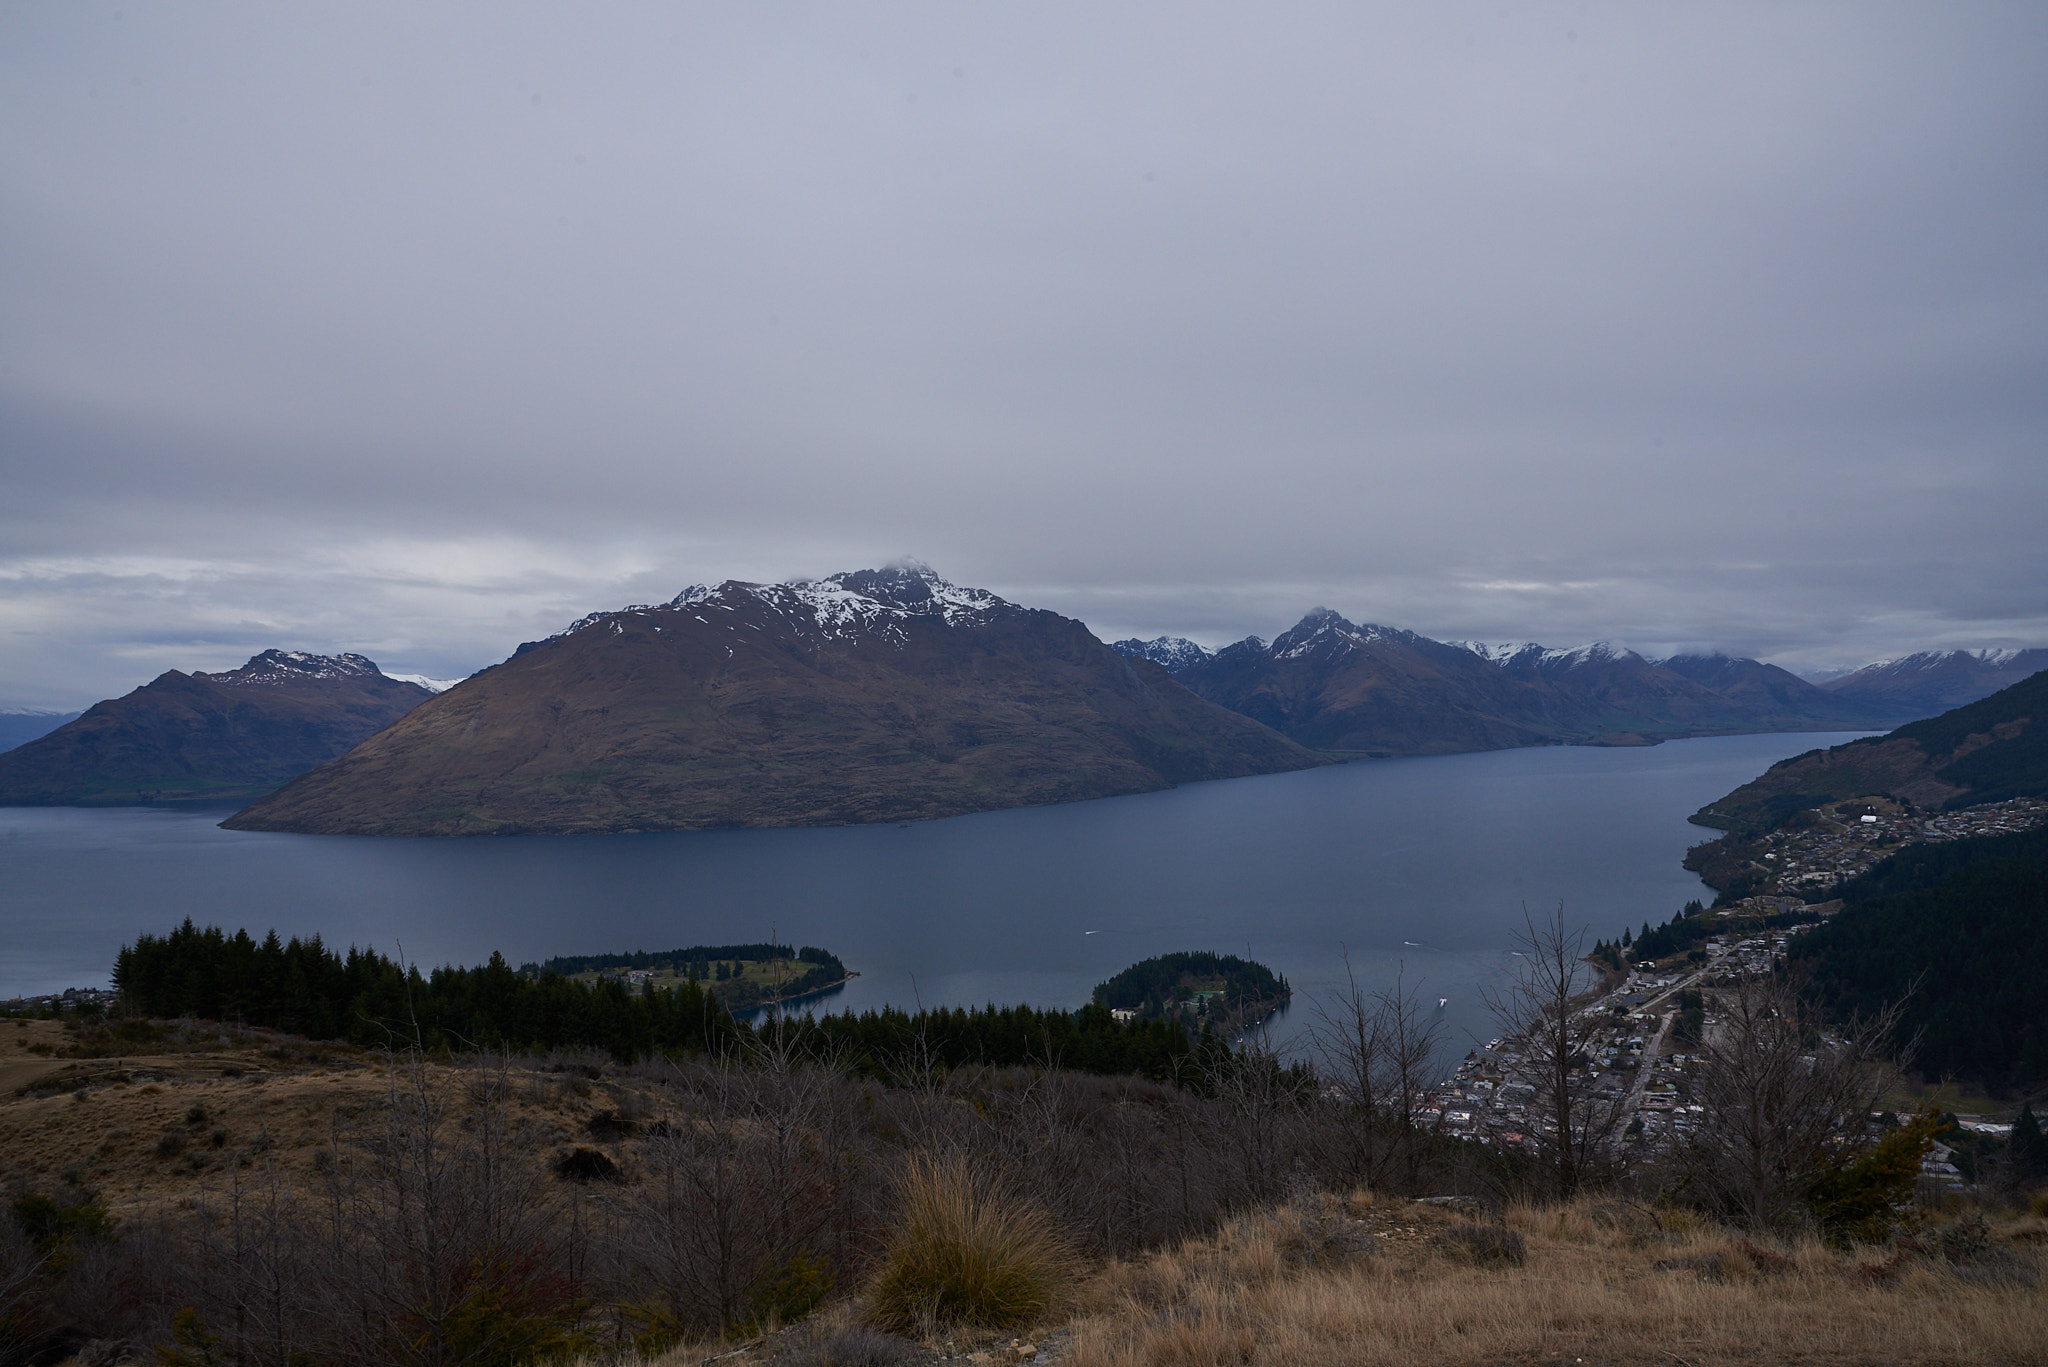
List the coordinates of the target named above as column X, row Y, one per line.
column 1334, row 685
column 1986, row 751
column 1934, row 681
column 20, row 727
column 229, row 736
column 880, row 695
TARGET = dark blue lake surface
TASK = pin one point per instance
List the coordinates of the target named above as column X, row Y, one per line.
column 1426, row 862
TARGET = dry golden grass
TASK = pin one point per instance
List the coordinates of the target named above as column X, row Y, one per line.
column 1592, row 1290
column 151, row 1132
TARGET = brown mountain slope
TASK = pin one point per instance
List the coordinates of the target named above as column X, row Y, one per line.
column 878, row 696
column 1987, row 751
column 230, row 736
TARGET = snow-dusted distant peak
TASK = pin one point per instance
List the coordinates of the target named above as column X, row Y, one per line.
column 294, row 666
column 846, row 604
column 1929, row 660
column 1497, row 652
column 863, row 600
column 1174, row 653
column 1599, row 652
column 1530, row 655
column 1324, row 631
column 432, row 685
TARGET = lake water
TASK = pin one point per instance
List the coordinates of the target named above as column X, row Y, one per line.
column 1425, row 863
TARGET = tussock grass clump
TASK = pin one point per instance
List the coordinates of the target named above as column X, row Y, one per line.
column 968, row 1252
column 1487, row 1245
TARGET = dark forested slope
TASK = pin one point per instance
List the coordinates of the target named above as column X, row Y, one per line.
column 1958, row 932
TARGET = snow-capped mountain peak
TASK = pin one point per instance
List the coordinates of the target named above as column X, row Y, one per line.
column 1173, row 653
column 428, row 682
column 1598, row 652
column 837, row 605
column 1496, row 652
column 1531, row 655
column 291, row 666
column 1323, row 631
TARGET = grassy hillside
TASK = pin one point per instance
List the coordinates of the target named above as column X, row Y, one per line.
column 213, row 1193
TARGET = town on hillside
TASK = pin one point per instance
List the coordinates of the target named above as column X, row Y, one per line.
column 1828, row 845
column 1650, row 1014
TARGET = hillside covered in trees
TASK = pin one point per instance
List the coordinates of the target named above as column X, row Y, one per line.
column 1959, row 932
column 1987, row 751
column 741, row 977
column 1198, row 988
column 305, row 988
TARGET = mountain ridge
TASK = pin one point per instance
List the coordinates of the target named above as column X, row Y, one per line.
column 1984, row 751
column 225, row 736
column 1370, row 689
column 1929, row 682
column 859, row 698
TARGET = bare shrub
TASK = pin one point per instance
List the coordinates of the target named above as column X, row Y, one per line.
column 1784, row 1104
column 439, row 1243
column 856, row 1346
column 967, row 1252
column 1539, row 1005
column 1375, row 1050
column 1486, row 1245
column 733, row 1223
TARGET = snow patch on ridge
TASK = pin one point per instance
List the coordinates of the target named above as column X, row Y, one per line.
column 1529, row 654
column 291, row 666
column 1496, row 652
column 1323, row 631
column 431, row 684
column 1173, row 653
column 858, row 602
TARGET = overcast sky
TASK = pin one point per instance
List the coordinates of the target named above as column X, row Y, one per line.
column 421, row 330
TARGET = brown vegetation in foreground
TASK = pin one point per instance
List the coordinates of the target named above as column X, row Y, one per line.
column 1313, row 1283
column 245, row 1200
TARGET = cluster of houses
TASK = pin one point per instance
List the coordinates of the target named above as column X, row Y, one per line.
column 1849, row 837
column 1634, row 1060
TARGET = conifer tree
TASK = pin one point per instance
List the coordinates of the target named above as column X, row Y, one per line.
column 2028, row 1146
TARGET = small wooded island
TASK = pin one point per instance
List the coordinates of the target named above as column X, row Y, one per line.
column 1198, row 989
column 739, row 977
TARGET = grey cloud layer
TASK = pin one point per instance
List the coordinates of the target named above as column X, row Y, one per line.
column 419, row 331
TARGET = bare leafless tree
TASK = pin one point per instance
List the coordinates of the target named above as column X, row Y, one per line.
column 253, row 1277
column 431, row 1216
column 1782, row 1099
column 1374, row 1050
column 739, row 1184
column 1538, row 1010
column 1263, row 1101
